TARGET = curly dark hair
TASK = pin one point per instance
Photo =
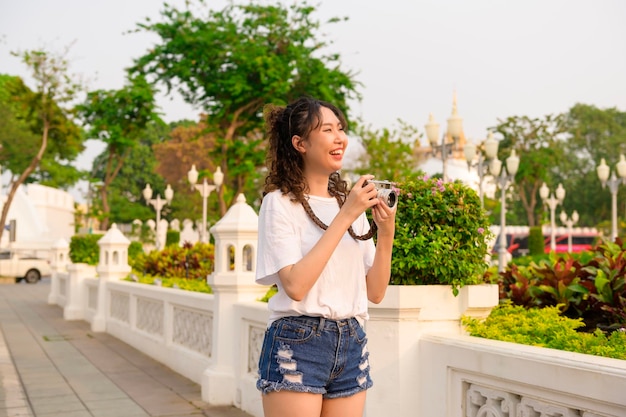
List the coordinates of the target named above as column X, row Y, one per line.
column 284, row 162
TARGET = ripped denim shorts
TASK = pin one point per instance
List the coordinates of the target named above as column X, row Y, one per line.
column 315, row 355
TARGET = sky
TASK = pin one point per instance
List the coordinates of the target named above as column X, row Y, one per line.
column 502, row 58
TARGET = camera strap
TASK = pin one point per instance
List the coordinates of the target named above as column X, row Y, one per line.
column 323, row 226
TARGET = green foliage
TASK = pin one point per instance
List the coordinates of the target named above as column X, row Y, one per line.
column 536, row 243
column 545, row 328
column 388, row 155
column 441, row 235
column 134, row 250
column 594, row 133
column 197, row 284
column 536, row 141
column 172, row 237
column 143, row 233
column 528, row 259
column 259, row 54
column 118, row 118
column 269, row 294
column 139, row 169
column 608, row 274
column 188, row 261
column 43, row 124
column 21, row 143
column 85, row 249
column 590, row 286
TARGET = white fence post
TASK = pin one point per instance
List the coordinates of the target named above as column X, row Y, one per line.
column 74, row 308
column 394, row 330
column 232, row 281
column 112, row 266
column 60, row 259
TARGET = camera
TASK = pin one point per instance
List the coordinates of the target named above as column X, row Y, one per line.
column 385, row 192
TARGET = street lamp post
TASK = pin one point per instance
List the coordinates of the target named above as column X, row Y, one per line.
column 503, row 178
column 569, row 222
column 158, row 205
column 490, row 148
column 205, row 190
column 455, row 127
column 614, row 182
column 552, row 202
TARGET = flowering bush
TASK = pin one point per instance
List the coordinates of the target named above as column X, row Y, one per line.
column 191, row 261
column 441, row 235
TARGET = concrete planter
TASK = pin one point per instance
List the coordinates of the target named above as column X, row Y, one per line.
column 394, row 331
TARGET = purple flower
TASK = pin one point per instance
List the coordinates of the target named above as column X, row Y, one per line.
column 481, row 230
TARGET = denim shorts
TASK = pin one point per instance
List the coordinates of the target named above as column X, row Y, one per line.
column 315, row 355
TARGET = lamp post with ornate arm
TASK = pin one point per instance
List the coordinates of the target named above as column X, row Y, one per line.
column 569, row 222
column 504, row 178
column 614, row 182
column 455, row 127
column 487, row 151
column 552, row 202
column 205, row 190
column 158, row 204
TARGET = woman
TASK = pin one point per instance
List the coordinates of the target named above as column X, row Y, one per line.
column 315, row 245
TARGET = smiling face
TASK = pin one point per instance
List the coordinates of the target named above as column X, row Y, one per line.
column 323, row 150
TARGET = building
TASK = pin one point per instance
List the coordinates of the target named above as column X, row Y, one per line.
column 38, row 217
column 431, row 161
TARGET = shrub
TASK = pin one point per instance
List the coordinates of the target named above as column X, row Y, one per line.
column 134, row 250
column 85, row 249
column 441, row 235
column 589, row 285
column 197, row 285
column 269, row 294
column 536, row 243
column 189, row 261
column 545, row 328
column 172, row 237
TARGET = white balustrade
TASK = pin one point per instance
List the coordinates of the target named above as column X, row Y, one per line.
column 422, row 364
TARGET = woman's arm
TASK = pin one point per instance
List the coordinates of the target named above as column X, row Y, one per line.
column 380, row 272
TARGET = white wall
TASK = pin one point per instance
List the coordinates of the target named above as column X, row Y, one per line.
column 43, row 215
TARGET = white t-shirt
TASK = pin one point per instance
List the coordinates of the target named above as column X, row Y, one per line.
column 286, row 234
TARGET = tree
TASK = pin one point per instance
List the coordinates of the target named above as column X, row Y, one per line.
column 40, row 120
column 230, row 63
column 593, row 134
column 125, row 191
column 17, row 139
column 388, row 154
column 119, row 118
column 189, row 144
column 536, row 143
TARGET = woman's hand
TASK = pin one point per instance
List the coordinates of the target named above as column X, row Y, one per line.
column 361, row 197
column 385, row 218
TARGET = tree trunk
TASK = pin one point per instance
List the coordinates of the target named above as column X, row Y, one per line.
column 104, row 221
column 33, row 164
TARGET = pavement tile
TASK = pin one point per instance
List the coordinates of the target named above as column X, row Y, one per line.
column 47, row 390
column 115, row 407
column 15, row 412
column 77, row 413
column 11, row 401
column 59, row 404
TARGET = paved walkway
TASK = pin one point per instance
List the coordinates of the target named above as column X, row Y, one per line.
column 53, row 367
